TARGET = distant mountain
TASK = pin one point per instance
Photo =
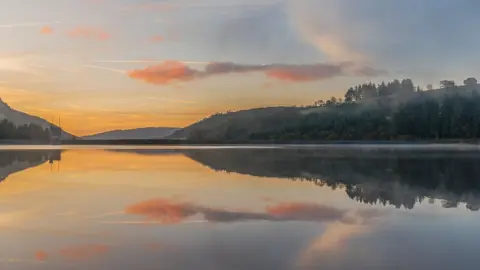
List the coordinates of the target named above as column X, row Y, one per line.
column 19, row 118
column 132, row 134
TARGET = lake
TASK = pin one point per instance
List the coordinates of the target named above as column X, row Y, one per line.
column 239, row 208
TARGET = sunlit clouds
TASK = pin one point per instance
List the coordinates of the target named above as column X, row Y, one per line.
column 157, row 39
column 172, row 71
column 222, row 55
column 91, row 33
column 47, row 30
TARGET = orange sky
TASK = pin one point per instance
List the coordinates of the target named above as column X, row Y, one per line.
column 103, row 65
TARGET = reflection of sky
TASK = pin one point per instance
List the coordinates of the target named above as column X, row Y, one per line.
column 75, row 217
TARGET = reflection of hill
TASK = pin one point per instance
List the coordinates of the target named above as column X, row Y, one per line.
column 397, row 178
column 15, row 161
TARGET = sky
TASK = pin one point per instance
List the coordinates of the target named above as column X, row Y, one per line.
column 119, row 64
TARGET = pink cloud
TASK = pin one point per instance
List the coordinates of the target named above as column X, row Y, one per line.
column 305, row 72
column 157, row 38
column 89, row 33
column 47, row 30
column 172, row 71
column 165, row 73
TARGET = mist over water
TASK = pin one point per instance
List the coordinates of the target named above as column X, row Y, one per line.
column 231, row 207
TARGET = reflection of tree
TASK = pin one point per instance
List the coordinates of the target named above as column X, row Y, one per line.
column 15, row 161
column 398, row 178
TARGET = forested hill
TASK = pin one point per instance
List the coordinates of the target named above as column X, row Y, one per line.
column 388, row 111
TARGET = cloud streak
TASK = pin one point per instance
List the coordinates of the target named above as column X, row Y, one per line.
column 174, row 71
column 27, row 24
column 106, row 69
column 151, row 61
column 169, row 5
column 91, row 33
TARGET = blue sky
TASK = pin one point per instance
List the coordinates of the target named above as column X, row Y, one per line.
column 75, row 58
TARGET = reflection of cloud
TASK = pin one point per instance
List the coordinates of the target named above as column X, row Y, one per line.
column 174, row 71
column 163, row 210
column 84, row 252
column 14, row 217
column 169, row 212
column 18, row 261
column 301, row 211
column 153, row 246
column 333, row 238
column 75, row 253
column 41, row 256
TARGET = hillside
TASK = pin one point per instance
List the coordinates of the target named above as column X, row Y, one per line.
column 235, row 124
column 134, row 134
column 392, row 111
column 19, row 118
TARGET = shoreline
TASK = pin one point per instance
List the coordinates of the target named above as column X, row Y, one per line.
column 166, row 142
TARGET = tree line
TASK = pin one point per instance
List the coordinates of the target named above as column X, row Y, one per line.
column 9, row 131
column 424, row 115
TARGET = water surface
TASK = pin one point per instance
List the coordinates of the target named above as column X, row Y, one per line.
column 269, row 208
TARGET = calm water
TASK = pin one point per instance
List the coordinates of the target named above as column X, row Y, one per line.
column 240, row 208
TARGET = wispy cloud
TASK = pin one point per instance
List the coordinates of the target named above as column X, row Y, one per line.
column 174, row 71
column 172, row 100
column 92, row 33
column 164, row 5
column 152, row 61
column 157, row 39
column 106, row 69
column 27, row 24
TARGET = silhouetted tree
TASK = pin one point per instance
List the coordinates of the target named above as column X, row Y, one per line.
column 407, row 86
column 350, row 95
column 447, row 84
